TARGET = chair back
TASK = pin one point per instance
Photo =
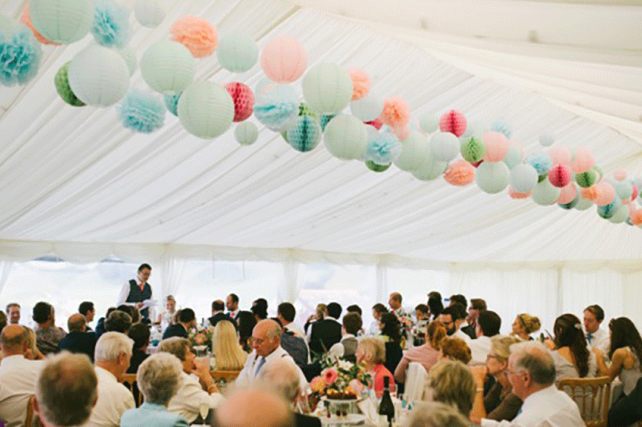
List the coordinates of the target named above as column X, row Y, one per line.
column 130, row 381
column 29, row 417
column 227, row 376
column 416, row 377
column 593, row 397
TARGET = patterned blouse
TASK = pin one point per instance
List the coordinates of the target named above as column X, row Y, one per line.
column 48, row 339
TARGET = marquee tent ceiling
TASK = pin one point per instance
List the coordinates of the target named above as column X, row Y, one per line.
column 573, row 68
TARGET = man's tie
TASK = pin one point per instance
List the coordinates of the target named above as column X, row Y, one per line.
column 258, row 368
column 589, row 337
column 141, row 286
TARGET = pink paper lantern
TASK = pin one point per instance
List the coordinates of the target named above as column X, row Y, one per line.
column 568, row 194
column 496, row 146
column 636, row 216
column 454, row 122
column 25, row 18
column 583, row 160
column 396, row 113
column 560, row 175
column 284, row 59
column 605, row 193
column 560, row 155
column 243, row 98
column 376, row 123
column 360, row 83
column 196, row 34
column 619, row 175
column 460, row 173
column 518, row 196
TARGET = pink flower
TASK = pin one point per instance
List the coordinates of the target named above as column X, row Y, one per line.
column 356, row 386
column 330, row 375
column 317, row 384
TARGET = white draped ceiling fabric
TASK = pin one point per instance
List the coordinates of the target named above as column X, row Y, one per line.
column 74, row 183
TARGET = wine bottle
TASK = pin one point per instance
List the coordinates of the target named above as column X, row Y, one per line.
column 386, row 408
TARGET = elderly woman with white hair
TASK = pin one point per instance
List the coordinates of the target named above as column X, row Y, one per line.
column 159, row 378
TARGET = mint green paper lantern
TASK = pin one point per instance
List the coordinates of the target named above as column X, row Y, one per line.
column 523, row 178
column 514, row 157
column 7, row 25
column 583, row 204
column 246, row 133
column 430, row 169
column 206, row 109
column 327, row 88
column 492, row 177
column 621, row 215
column 168, row 67
column 237, row 52
column 545, row 193
column 62, row 21
column 345, row 137
column 129, row 56
column 368, row 108
column 414, row 151
column 624, row 189
column 429, row 123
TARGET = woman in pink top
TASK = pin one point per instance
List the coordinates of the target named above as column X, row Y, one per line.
column 427, row 354
column 372, row 352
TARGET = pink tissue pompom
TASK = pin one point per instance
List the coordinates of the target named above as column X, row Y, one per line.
column 619, row 175
column 605, row 193
column 568, row 194
column 636, row 216
column 376, row 123
column 518, row 196
column 583, row 160
column 402, row 133
column 196, row 34
column 284, row 59
column 243, row 98
column 560, row 175
column 360, row 83
column 589, row 193
column 25, row 18
column 497, row 146
column 560, row 155
column 454, row 122
column 460, row 173
column 635, row 192
column 396, row 113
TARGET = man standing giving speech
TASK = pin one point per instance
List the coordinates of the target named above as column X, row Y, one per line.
column 138, row 293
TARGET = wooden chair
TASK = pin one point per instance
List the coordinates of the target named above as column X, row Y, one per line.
column 129, row 381
column 29, row 417
column 228, row 376
column 593, row 397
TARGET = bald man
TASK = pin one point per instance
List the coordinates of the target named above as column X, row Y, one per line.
column 78, row 340
column 256, row 408
column 266, row 346
column 18, row 376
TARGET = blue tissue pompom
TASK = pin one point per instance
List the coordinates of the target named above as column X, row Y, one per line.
column 501, row 127
column 277, row 108
column 383, row 148
column 305, row 135
column 20, row 55
column 171, row 102
column 541, row 162
column 111, row 24
column 141, row 112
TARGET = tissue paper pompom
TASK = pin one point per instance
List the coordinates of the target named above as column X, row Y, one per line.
column 376, row 123
column 444, row 146
column 560, row 175
column 621, row 214
column 360, row 83
column 237, row 52
column 283, row 59
column 560, row 155
column 589, row 193
column 545, row 193
column 196, row 34
column 492, row 178
column 567, row 194
column 473, row 149
column 518, row 196
column 171, row 102
column 20, row 56
column 460, row 173
column 246, row 133
column 636, row 216
column 415, row 149
column 377, row 167
column 243, row 100
column 586, row 179
column 111, row 23
column 619, row 175
column 277, row 108
column 541, row 162
column 523, row 178
column 305, row 135
column 396, row 113
column 501, row 127
column 583, row 160
column 64, row 90
column 383, row 149
column 454, row 122
column 402, row 133
column 26, row 19
column 569, row 205
column 607, row 211
column 429, row 123
column 605, row 193
column 546, row 139
column 496, row 146
column 141, row 112
column 430, row 169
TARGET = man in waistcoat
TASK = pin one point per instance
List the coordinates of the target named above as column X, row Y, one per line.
column 137, row 292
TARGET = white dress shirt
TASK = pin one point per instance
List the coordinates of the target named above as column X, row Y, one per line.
column 374, row 329
column 462, row 335
column 18, row 378
column 124, row 293
column 249, row 372
column 191, row 397
column 113, row 400
column 338, row 350
column 549, row 407
column 234, row 314
column 295, row 329
column 480, row 348
column 601, row 340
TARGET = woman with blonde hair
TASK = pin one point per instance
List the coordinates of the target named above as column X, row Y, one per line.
column 427, row 354
column 166, row 316
column 525, row 325
column 452, row 383
column 229, row 354
column 32, row 351
column 372, row 352
column 455, row 349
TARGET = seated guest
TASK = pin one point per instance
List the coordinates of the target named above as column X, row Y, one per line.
column 218, row 313
column 596, row 336
column 354, row 308
column 18, row 375
column 232, row 305
column 435, row 414
column 197, row 388
column 118, row 321
column 13, row 313
column 86, row 308
column 186, row 322
column 247, row 322
column 48, row 335
column 327, row 332
column 254, row 408
column 435, row 305
column 78, row 340
column 140, row 334
column 113, row 353
column 319, row 314
column 296, row 347
column 427, row 354
column 260, row 309
column 166, row 316
column 284, row 379
column 66, row 391
column 390, row 334
column 3, row 320
column 451, row 318
column 100, row 325
column 462, row 324
column 372, row 352
column 347, row 348
column 455, row 349
column 378, row 310
column 158, row 379
column 477, row 305
column 488, row 326
column 421, row 313
column 286, row 314
column 229, row 354
column 32, row 351
column 525, row 325
column 395, row 303
column 531, row 372
column 452, row 383
column 570, row 350
column 500, row 403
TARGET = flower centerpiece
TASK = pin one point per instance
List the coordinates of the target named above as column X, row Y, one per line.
column 340, row 380
column 201, row 339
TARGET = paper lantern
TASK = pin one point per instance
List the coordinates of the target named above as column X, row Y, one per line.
column 635, row 192
column 619, row 175
column 7, row 25
column 514, row 156
column 246, row 133
column 607, row 211
column 206, row 109
column 243, row 99
column 444, row 146
column 429, row 123
column 99, row 76
column 454, row 122
column 396, row 113
column 635, row 216
column 129, row 56
column 492, row 177
column 149, row 13
column 560, row 155
column 545, row 193
column 624, row 189
column 20, row 55
column 111, row 24
column 560, row 175
column 430, row 169
column 383, row 149
column 523, row 178
column 368, row 108
column 284, row 60
column 473, row 149
column 141, row 112
column 583, row 204
column 305, row 135
column 345, row 137
column 605, row 193
column 25, row 18
column 568, row 194
column 360, row 83
column 583, row 160
column 414, row 150
column 237, row 52
column 546, row 139
column 327, row 88
column 460, row 173
column 518, row 196
column 171, row 102
column 64, row 90
column 474, row 128
column 168, row 67
column 570, row 205
column 620, row 215
column 62, row 21
column 541, row 162
column 496, row 146
column 196, row 34
column 325, row 119
column 585, row 179
column 277, row 107
column 501, row 127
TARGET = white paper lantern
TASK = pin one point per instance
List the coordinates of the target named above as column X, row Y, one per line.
column 514, row 156
column 168, row 67
column 368, row 108
column 237, row 52
column 62, row 21
column 429, row 123
column 149, row 13
column 327, row 88
column 246, row 133
column 492, row 177
column 98, row 76
column 545, row 193
column 129, row 56
column 7, row 25
column 444, row 146
column 345, row 137
column 583, row 204
column 523, row 178
column 415, row 150
column 430, row 169
column 621, row 215
column 206, row 109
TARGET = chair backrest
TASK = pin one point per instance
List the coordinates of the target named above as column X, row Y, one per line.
column 129, row 381
column 416, row 377
column 29, row 417
column 228, row 376
column 593, row 397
